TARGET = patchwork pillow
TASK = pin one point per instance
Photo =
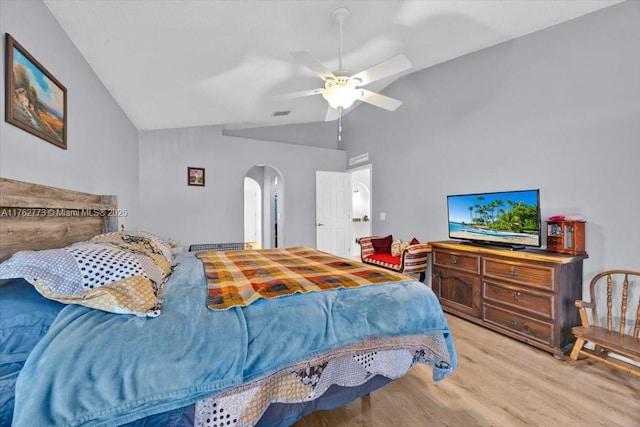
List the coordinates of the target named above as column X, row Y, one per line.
column 403, row 246
column 94, row 274
column 382, row 245
column 143, row 241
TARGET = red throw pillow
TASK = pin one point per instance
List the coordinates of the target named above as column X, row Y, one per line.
column 382, row 245
column 414, row 241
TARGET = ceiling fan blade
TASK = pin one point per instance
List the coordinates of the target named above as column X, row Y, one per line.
column 379, row 100
column 308, row 60
column 384, row 69
column 332, row 114
column 299, row 94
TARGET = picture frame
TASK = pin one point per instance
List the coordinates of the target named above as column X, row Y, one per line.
column 195, row 176
column 35, row 101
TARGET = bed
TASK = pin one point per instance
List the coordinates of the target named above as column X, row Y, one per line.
column 197, row 356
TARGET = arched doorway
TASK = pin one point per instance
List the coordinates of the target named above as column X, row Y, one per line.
column 252, row 212
column 264, row 214
column 360, row 206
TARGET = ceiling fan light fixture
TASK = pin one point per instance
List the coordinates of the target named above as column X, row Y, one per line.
column 340, row 93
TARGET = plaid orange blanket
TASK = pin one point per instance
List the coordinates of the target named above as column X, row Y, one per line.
column 238, row 278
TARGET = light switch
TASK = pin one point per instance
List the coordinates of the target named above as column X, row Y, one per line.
column 383, row 216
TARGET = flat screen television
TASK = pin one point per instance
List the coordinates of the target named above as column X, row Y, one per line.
column 505, row 218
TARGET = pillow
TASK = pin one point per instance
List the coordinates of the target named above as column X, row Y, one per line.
column 414, row 241
column 24, row 319
column 396, row 248
column 403, row 246
column 94, row 274
column 382, row 245
column 144, row 241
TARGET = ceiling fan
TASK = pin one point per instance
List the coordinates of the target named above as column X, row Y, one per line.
column 341, row 89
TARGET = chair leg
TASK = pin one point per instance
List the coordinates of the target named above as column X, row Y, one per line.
column 422, row 276
column 576, row 349
column 600, row 351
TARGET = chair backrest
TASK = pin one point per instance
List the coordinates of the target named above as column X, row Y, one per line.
column 366, row 247
column 613, row 278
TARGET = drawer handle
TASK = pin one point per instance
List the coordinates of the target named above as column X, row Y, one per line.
column 514, row 322
column 454, row 260
column 516, row 295
column 514, row 272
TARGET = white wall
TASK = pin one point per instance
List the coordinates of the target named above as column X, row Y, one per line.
column 557, row 110
column 214, row 213
column 102, row 153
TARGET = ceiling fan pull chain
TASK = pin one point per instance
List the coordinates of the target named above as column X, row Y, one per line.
column 339, row 124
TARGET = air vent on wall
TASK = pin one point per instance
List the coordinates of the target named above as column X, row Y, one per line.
column 281, row 113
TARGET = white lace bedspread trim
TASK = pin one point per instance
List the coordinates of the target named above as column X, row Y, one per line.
column 348, row 366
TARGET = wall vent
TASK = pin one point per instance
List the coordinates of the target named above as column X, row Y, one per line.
column 281, row 113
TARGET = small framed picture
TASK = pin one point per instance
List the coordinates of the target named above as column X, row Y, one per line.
column 195, row 176
column 35, row 101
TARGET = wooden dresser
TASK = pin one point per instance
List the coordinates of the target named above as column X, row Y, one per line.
column 528, row 295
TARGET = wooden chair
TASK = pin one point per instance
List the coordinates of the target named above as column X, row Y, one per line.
column 614, row 338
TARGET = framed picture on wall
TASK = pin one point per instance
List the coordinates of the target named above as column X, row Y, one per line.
column 195, row 176
column 34, row 100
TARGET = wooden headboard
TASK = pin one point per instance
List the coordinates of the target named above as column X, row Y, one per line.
column 35, row 217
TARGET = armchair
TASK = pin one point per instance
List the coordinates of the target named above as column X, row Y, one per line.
column 413, row 258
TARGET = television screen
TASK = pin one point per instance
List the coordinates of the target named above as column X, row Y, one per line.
column 508, row 218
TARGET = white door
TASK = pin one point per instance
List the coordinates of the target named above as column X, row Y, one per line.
column 333, row 212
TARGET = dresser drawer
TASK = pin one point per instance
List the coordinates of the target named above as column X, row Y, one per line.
column 464, row 262
column 530, row 275
column 520, row 299
column 520, row 324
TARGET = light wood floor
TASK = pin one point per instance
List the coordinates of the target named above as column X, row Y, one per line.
column 499, row 382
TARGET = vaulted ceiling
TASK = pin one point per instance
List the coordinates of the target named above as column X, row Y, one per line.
column 180, row 63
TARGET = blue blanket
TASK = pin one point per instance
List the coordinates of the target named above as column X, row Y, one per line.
column 97, row 368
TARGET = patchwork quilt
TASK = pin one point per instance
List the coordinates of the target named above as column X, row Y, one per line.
column 304, row 382
column 239, row 278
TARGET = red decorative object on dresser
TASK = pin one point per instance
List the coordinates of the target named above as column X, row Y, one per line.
column 566, row 235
